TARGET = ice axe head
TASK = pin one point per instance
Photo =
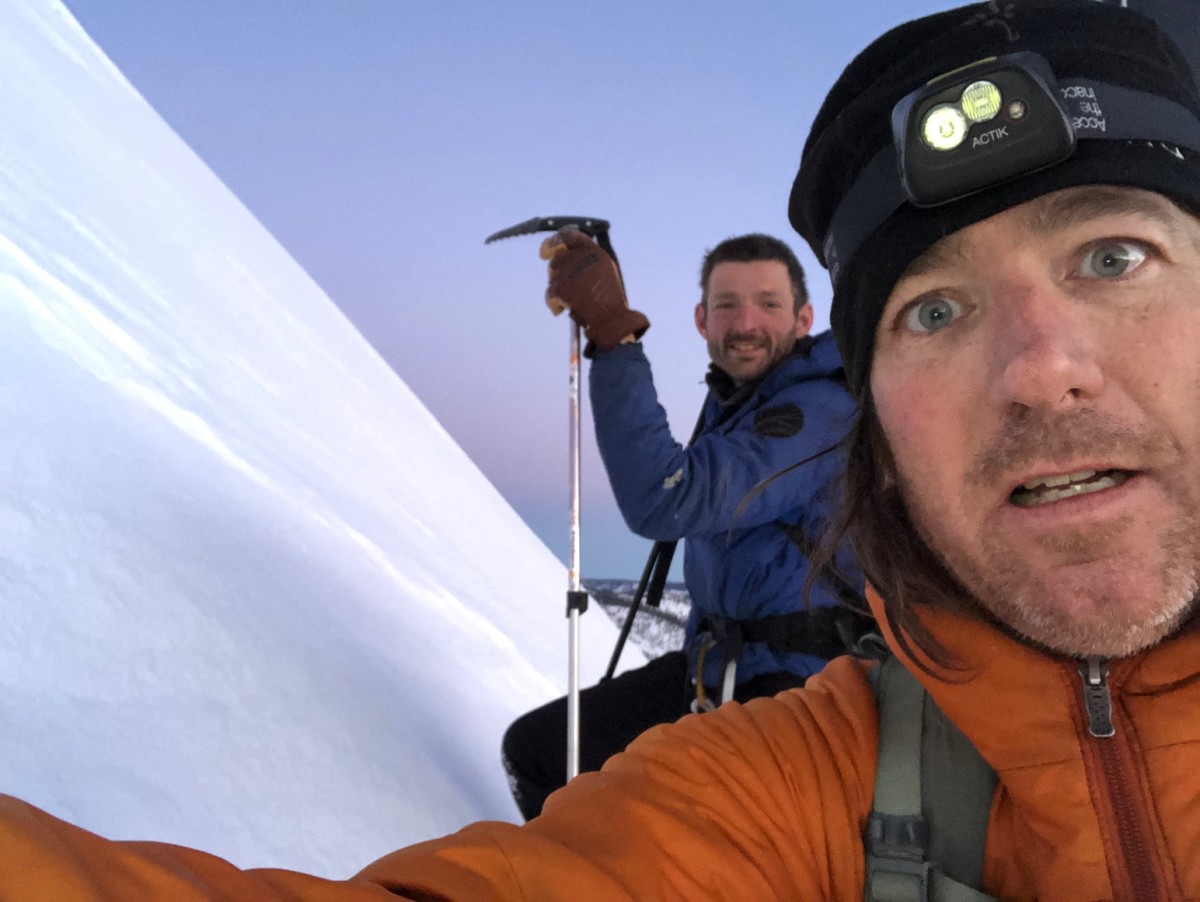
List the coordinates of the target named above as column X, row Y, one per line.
column 589, row 225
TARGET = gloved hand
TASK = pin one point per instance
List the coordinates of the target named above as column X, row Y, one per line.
column 586, row 281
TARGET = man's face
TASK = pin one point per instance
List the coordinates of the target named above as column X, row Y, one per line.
column 1038, row 381
column 750, row 322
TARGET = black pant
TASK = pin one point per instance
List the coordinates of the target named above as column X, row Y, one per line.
column 611, row 715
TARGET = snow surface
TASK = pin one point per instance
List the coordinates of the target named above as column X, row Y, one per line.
column 254, row 598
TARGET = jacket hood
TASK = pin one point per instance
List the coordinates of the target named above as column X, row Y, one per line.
column 814, row 357
column 821, row 356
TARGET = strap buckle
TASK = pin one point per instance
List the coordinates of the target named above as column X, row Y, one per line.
column 898, row 880
column 896, row 867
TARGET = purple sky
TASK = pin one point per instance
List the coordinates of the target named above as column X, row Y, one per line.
column 381, row 140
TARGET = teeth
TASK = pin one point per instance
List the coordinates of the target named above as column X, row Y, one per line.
column 1057, row 488
column 1054, row 482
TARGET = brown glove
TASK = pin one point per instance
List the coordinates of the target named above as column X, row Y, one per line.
column 586, row 281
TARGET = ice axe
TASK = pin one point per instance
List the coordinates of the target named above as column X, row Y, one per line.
column 589, row 225
column 577, row 598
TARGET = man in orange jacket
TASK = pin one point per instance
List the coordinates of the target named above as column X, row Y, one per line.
column 1006, row 196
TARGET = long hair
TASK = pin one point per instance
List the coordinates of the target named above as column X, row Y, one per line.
column 893, row 557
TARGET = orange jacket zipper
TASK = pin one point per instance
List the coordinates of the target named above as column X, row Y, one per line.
column 1121, row 809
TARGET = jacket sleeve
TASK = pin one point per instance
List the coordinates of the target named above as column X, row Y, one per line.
column 761, row 801
column 42, row 857
column 668, row 491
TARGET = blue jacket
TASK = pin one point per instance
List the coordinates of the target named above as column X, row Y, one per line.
column 739, row 560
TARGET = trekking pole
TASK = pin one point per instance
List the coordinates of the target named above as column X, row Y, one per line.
column 577, row 598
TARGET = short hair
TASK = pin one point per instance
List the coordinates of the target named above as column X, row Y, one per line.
column 750, row 249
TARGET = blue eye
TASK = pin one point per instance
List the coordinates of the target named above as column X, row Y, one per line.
column 932, row 314
column 1112, row 259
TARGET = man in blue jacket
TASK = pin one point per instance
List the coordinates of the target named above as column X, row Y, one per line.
column 750, row 495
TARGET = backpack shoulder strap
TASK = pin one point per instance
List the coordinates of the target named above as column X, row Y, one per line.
column 933, row 793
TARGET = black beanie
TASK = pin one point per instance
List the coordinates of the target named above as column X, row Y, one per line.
column 1079, row 39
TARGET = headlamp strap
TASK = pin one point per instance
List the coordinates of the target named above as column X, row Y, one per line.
column 1097, row 110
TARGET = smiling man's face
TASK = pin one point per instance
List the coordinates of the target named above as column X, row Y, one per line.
column 1037, row 376
column 750, row 320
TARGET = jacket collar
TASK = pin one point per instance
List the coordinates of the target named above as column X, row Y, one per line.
column 1020, row 705
column 814, row 357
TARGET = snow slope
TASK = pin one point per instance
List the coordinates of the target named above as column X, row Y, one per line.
column 254, row 598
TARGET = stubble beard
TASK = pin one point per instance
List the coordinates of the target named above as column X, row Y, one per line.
column 1123, row 604
column 723, row 355
column 1120, row 611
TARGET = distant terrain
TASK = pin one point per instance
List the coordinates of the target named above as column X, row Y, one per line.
column 655, row 630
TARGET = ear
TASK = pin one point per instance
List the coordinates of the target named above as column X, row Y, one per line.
column 804, row 320
column 702, row 321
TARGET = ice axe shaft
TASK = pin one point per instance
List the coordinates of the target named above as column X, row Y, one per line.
column 576, row 597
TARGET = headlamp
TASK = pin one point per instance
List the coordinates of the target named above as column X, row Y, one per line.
column 958, row 134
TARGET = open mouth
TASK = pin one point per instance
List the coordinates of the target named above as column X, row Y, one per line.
column 1047, row 489
column 744, row 347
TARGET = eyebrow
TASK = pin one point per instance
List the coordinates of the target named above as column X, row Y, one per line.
column 732, row 295
column 1053, row 212
column 1077, row 207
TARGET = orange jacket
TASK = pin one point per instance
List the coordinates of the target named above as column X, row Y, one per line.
column 767, row 801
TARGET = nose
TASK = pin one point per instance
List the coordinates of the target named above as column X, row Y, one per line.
column 1046, row 348
column 746, row 318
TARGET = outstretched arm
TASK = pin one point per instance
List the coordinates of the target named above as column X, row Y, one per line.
column 762, row 801
column 42, row 857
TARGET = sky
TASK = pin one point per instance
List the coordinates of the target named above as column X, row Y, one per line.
column 230, row 620
column 380, row 141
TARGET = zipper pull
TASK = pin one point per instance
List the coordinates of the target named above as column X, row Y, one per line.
column 1096, row 698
